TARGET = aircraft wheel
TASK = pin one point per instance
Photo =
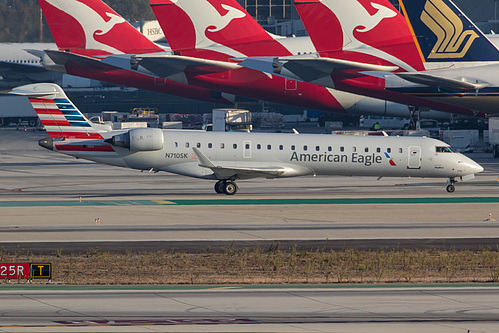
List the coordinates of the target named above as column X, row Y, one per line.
column 451, row 188
column 219, row 187
column 230, row 188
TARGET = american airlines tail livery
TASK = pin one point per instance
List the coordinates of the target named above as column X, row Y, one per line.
column 226, row 157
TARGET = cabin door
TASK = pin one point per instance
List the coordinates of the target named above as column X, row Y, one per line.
column 247, row 149
column 414, row 158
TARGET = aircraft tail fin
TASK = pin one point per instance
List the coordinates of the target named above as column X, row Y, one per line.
column 200, row 24
column 92, row 27
column 60, row 117
column 444, row 33
column 362, row 29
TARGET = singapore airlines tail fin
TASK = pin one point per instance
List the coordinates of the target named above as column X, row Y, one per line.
column 58, row 114
column 364, row 31
column 92, row 28
column 189, row 25
column 444, row 33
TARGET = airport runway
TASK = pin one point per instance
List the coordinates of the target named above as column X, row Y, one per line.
column 247, row 309
column 40, row 193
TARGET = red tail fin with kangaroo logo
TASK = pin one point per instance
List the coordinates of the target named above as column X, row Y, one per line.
column 371, row 31
column 91, row 27
column 201, row 24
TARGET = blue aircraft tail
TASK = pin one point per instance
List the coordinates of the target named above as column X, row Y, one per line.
column 445, row 34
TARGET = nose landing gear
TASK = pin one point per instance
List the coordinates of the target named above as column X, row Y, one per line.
column 450, row 185
column 226, row 186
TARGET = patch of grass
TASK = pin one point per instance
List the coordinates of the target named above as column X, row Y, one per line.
column 273, row 265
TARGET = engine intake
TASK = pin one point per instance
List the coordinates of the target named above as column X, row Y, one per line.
column 140, row 139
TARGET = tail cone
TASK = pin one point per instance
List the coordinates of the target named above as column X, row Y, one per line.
column 47, row 143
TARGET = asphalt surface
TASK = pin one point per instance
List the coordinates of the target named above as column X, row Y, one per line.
column 248, row 309
column 49, row 200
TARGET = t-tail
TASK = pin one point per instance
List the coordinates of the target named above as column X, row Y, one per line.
column 91, row 27
column 201, row 24
column 60, row 117
column 358, row 30
column 445, row 34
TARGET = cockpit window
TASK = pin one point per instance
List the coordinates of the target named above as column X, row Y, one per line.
column 445, row 149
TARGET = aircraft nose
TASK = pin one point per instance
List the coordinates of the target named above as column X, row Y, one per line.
column 473, row 167
column 476, row 167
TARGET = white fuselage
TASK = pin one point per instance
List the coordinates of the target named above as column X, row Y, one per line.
column 294, row 154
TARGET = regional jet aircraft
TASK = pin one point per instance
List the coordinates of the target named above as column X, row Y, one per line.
column 227, row 157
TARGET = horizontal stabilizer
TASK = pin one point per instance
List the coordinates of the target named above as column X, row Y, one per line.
column 441, row 82
column 310, row 68
column 36, row 90
column 167, row 65
column 67, row 58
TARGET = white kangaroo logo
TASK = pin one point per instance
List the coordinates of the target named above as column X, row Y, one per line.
column 90, row 21
column 353, row 17
column 206, row 18
column 233, row 13
column 380, row 15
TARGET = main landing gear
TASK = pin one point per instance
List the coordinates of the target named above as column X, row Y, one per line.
column 226, row 186
column 450, row 185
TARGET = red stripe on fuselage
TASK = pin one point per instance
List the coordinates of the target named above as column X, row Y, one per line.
column 75, row 135
column 99, row 148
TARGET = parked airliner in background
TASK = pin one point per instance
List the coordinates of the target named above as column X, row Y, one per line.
column 18, row 66
column 83, row 48
column 359, row 43
column 461, row 63
column 229, row 156
column 198, row 60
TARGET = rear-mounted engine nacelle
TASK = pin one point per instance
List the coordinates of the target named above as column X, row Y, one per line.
column 140, row 139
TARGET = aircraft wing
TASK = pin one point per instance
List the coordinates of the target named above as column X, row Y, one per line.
column 222, row 172
column 166, row 65
column 441, row 82
column 310, row 68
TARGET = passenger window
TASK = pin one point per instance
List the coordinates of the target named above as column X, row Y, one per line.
column 400, row 150
column 293, row 147
column 342, row 148
column 305, row 147
column 210, row 145
column 366, row 149
column 176, row 144
column 222, row 145
column 281, row 147
column 247, row 146
column 388, row 150
column 234, row 146
column 378, row 150
column 269, row 147
column 198, row 145
column 329, row 148
column 354, row 149
column 317, row 148
column 187, row 145
column 258, row 146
